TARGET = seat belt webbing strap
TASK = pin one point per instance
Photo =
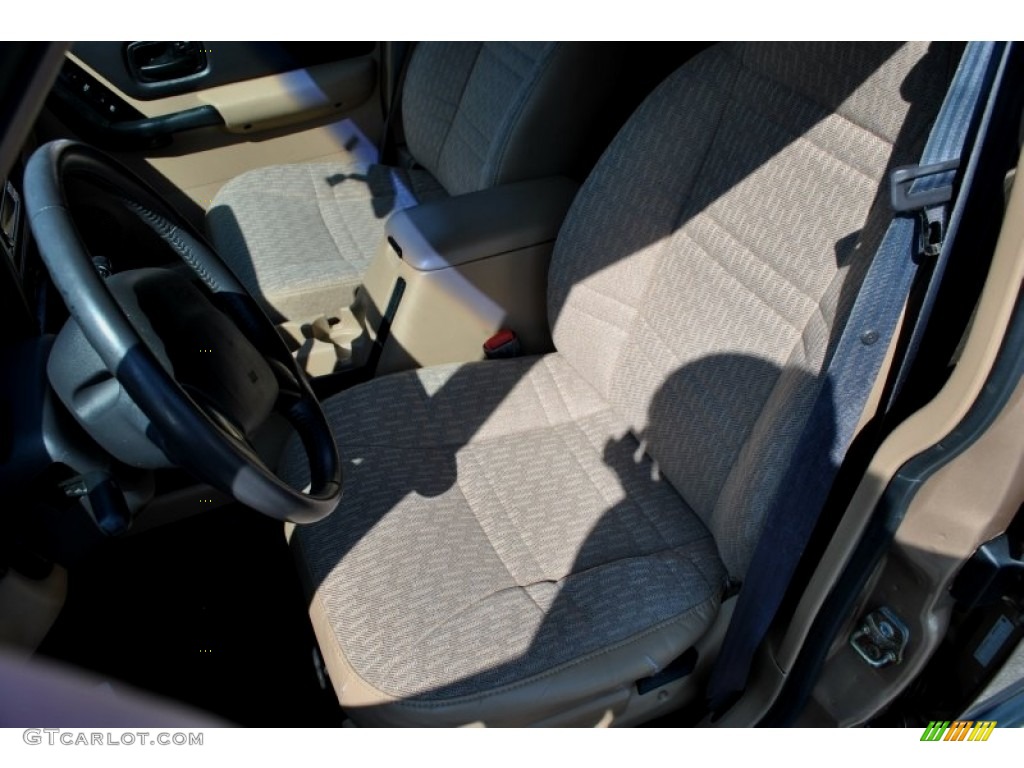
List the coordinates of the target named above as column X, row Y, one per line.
column 392, row 134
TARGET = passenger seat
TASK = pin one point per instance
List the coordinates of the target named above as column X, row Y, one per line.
column 474, row 115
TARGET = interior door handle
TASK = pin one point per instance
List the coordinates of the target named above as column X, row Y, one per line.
column 159, row 61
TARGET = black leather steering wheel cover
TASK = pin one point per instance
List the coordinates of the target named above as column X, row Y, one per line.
column 187, row 435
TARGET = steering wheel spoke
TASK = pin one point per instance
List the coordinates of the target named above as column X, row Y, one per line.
column 203, row 372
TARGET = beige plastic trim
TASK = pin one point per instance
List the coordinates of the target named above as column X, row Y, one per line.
column 672, row 696
column 327, row 343
column 28, row 608
column 273, row 101
column 294, row 97
column 207, row 159
column 922, row 430
column 198, row 163
column 966, row 503
column 447, row 314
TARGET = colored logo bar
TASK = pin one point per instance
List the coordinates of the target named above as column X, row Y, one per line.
column 959, row 730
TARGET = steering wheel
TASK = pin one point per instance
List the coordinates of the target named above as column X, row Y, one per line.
column 165, row 368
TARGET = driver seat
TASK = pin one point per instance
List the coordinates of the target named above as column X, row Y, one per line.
column 524, row 538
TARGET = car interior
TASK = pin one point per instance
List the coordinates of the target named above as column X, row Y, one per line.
column 512, row 384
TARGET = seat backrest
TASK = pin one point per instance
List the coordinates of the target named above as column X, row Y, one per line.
column 480, row 114
column 710, row 260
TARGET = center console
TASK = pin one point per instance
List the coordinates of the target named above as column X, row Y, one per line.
column 447, row 277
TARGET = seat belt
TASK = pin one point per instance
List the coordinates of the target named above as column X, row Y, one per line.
column 391, row 138
column 924, row 190
column 945, row 232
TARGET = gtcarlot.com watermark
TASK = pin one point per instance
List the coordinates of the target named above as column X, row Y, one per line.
column 72, row 738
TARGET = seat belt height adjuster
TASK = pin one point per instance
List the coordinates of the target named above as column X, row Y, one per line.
column 907, row 197
column 915, row 189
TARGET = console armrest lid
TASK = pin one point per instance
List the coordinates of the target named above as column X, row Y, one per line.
column 458, row 230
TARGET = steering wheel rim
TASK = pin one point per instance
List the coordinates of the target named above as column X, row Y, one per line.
column 186, row 433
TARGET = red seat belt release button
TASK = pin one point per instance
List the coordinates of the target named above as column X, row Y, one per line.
column 503, row 344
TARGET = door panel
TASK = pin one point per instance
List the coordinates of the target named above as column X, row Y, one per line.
column 328, row 111
column 273, row 101
column 218, row 63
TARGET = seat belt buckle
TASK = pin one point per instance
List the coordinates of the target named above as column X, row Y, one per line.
column 503, row 344
column 905, row 198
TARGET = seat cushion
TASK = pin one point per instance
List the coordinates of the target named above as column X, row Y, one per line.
column 501, row 535
column 300, row 237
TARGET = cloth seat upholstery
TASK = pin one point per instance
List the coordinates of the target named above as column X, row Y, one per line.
column 520, row 537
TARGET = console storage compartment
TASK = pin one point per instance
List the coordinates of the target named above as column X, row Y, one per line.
column 452, row 273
